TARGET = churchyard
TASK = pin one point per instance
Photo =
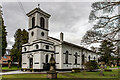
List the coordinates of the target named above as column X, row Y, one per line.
column 67, row 75
column 112, row 75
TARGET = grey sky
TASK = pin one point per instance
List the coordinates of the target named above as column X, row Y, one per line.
column 71, row 18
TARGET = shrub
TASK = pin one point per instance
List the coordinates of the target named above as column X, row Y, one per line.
column 91, row 65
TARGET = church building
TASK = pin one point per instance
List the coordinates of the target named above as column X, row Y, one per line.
column 37, row 52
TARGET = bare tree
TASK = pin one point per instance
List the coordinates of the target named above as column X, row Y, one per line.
column 106, row 19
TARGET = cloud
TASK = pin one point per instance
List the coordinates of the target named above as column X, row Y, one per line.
column 10, row 42
column 71, row 18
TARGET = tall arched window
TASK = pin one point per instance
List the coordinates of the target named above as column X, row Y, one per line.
column 42, row 22
column 66, row 57
column 83, row 59
column 46, row 58
column 75, row 58
column 33, row 22
column 89, row 57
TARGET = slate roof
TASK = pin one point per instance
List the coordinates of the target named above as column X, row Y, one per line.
column 71, row 44
column 39, row 11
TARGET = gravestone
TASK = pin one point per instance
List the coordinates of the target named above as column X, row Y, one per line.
column 102, row 67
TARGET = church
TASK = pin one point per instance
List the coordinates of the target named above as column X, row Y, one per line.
column 37, row 52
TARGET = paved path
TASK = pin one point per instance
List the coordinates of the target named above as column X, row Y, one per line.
column 21, row 72
column 18, row 72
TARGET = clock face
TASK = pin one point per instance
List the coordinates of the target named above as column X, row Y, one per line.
column 32, row 33
column 42, row 33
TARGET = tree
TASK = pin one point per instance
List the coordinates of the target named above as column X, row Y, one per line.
column 24, row 36
column 106, row 49
column 3, row 34
column 106, row 20
column 21, row 37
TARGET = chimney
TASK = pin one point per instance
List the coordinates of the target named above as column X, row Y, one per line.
column 61, row 37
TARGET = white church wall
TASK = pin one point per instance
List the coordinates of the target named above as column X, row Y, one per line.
column 57, row 57
column 37, row 19
column 34, row 37
column 25, row 61
column 46, row 23
column 71, row 58
column 36, row 60
column 42, row 59
column 39, row 32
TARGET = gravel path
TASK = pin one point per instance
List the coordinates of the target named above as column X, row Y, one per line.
column 21, row 72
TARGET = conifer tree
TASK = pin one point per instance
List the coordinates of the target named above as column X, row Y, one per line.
column 3, row 34
column 106, row 49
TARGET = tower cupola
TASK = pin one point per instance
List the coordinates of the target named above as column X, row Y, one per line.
column 38, row 24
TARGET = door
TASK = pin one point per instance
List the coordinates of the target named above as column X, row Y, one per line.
column 46, row 65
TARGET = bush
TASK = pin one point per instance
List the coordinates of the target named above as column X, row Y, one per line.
column 91, row 65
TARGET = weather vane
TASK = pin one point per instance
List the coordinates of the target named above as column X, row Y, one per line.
column 38, row 5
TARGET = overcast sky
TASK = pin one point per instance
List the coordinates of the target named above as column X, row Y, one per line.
column 71, row 18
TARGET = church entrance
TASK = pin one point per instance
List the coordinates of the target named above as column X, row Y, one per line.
column 31, row 63
column 46, row 65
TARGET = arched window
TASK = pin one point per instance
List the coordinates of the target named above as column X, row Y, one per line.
column 42, row 22
column 94, row 58
column 66, row 57
column 46, row 58
column 32, row 33
column 37, row 46
column 47, row 46
column 83, row 59
column 33, row 22
column 75, row 58
column 25, row 48
column 89, row 57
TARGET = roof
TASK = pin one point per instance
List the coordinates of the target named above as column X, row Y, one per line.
column 64, row 42
column 39, row 11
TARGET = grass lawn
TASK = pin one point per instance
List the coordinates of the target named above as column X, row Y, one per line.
column 64, row 75
column 12, row 68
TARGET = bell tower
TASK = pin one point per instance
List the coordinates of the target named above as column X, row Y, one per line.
column 38, row 24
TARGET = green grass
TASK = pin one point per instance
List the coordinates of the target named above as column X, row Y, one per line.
column 95, row 74
column 12, row 68
column 25, row 76
column 67, row 75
